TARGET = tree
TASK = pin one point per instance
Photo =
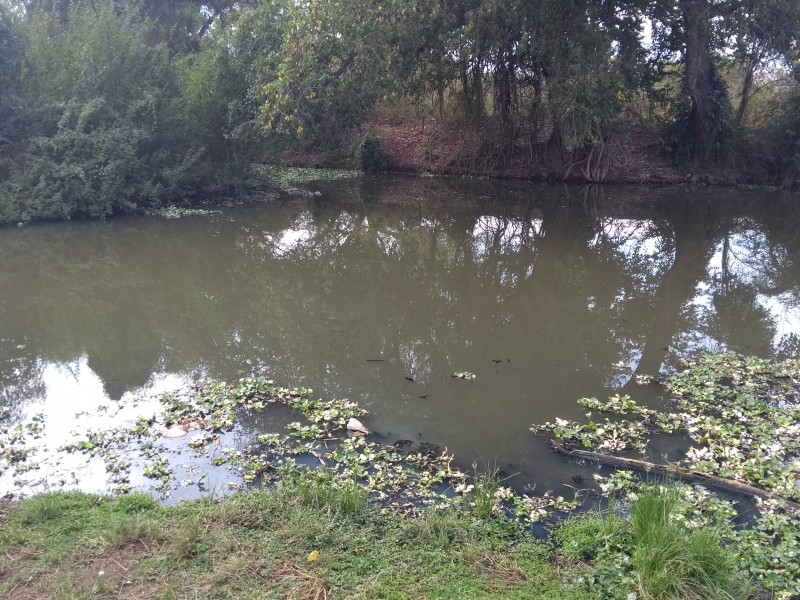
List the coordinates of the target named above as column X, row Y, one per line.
column 700, row 33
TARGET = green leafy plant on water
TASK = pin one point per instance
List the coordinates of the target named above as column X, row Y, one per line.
column 159, row 469
column 742, row 416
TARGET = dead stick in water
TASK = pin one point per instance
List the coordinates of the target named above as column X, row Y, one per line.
column 641, row 465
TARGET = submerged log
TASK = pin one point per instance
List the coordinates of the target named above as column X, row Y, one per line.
column 724, row 483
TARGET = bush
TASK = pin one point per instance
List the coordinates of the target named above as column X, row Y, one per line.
column 370, row 153
column 90, row 166
column 96, row 163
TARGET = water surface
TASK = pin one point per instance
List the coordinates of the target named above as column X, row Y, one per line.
column 378, row 290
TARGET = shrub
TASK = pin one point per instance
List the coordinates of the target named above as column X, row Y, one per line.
column 370, row 153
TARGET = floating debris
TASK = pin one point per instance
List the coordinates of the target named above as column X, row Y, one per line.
column 463, row 375
column 355, row 425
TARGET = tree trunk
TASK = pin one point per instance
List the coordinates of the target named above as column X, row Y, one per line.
column 467, row 98
column 554, row 150
column 699, row 79
column 477, row 89
column 747, row 85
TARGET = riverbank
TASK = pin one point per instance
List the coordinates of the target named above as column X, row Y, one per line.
column 448, row 146
column 310, row 538
column 407, row 142
column 299, row 540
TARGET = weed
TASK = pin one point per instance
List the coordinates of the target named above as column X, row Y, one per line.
column 188, row 541
column 135, row 503
column 131, row 529
column 483, row 498
column 44, row 507
column 593, row 536
column 438, row 529
column 672, row 562
column 319, row 490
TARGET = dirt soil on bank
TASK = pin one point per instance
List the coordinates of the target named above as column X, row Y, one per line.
column 446, row 146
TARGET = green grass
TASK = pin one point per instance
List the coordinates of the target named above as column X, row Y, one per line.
column 674, row 563
column 483, row 495
column 256, row 544
column 651, row 555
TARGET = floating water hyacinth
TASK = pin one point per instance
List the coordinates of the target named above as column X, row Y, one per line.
column 742, row 416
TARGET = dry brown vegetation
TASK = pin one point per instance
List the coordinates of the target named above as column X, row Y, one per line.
column 445, row 145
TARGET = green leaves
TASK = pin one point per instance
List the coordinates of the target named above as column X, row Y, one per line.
column 743, row 418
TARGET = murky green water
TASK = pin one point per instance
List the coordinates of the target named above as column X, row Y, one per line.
column 379, row 290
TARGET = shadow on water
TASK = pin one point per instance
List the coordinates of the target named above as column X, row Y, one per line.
column 378, row 290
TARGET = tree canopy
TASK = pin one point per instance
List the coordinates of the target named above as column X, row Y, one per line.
column 108, row 105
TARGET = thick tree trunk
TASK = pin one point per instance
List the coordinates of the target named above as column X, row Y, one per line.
column 505, row 75
column 699, row 79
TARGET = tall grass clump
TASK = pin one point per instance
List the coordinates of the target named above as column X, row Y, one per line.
column 484, row 492
column 321, row 492
column 671, row 562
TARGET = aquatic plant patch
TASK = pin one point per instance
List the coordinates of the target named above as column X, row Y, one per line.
column 464, row 375
column 742, row 416
column 151, row 453
column 176, row 212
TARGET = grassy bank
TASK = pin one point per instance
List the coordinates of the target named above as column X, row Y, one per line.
column 309, row 537
column 263, row 545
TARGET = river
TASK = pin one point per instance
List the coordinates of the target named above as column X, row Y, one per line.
column 378, row 290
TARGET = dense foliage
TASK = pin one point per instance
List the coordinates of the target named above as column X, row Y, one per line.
column 108, row 105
